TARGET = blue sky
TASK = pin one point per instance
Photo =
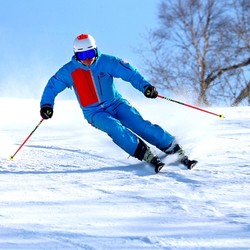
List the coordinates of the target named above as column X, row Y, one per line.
column 37, row 36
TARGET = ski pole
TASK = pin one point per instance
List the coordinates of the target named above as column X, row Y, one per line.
column 190, row 106
column 12, row 156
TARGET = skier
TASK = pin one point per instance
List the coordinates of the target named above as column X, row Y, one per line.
column 91, row 75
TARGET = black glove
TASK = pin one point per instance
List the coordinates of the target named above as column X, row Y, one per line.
column 46, row 111
column 151, row 92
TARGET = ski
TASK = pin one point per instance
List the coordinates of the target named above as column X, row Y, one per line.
column 189, row 164
column 159, row 167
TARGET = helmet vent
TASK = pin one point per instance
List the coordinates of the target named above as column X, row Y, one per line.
column 82, row 36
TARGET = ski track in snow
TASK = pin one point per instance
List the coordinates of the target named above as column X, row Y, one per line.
column 70, row 187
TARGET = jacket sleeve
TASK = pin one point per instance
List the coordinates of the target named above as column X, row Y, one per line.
column 125, row 71
column 55, row 85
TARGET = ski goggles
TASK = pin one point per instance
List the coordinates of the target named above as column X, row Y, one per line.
column 83, row 55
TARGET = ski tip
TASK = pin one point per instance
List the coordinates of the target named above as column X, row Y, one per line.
column 158, row 168
column 192, row 164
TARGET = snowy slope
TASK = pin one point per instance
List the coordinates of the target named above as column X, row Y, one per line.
column 70, row 187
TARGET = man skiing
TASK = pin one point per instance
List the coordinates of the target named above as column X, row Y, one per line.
column 91, row 75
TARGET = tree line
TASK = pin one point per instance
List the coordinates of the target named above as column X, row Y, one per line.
column 201, row 48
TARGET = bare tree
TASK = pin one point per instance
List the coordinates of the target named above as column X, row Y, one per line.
column 202, row 48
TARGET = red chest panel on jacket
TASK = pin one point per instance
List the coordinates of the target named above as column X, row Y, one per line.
column 85, row 87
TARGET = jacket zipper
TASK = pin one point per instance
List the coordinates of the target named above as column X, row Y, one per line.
column 100, row 85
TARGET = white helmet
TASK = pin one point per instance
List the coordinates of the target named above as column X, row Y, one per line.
column 84, row 42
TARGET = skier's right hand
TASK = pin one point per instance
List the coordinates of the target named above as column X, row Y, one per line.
column 46, row 111
column 151, row 92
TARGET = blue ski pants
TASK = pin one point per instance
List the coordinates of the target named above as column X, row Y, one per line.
column 123, row 123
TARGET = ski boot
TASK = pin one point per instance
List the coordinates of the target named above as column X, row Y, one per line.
column 175, row 148
column 153, row 160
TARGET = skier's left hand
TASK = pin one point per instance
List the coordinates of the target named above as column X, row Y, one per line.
column 151, row 92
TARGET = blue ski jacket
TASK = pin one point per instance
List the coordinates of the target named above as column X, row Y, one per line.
column 102, row 105
column 93, row 85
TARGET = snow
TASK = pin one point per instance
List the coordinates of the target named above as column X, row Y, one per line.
column 71, row 187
